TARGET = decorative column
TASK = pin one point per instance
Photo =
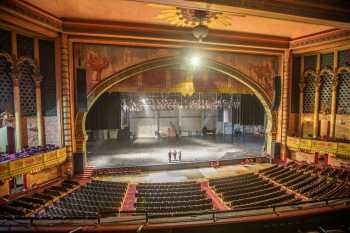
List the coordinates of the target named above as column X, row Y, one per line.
column 317, row 105
column 335, row 83
column 17, row 105
column 285, row 102
column 301, row 96
column 301, row 107
column 317, row 97
column 37, row 79
column 66, row 103
column 39, row 111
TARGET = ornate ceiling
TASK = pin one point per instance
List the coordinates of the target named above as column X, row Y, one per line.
column 153, row 13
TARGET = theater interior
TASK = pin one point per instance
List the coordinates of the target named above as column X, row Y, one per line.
column 174, row 116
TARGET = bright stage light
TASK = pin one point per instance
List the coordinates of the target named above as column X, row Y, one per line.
column 195, row 61
column 143, row 100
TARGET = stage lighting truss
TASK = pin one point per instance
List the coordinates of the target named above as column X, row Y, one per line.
column 174, row 101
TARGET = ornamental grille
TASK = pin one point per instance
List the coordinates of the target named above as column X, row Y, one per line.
column 343, row 94
column 6, row 86
column 326, row 93
column 344, row 58
column 309, row 93
column 27, row 90
column 327, row 60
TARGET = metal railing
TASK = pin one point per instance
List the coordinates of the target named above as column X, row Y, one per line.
column 212, row 216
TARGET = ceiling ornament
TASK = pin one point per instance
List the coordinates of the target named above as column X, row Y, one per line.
column 199, row 20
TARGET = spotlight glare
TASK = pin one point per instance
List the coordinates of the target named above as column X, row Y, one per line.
column 195, row 61
column 143, row 100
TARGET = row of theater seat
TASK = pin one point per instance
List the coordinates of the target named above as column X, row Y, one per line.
column 171, row 198
column 57, row 212
column 28, row 204
column 250, row 190
column 90, row 200
column 311, row 181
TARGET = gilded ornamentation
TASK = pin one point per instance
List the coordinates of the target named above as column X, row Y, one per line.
column 183, row 17
column 33, row 163
column 311, row 145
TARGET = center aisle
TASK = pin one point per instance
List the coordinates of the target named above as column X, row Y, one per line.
column 129, row 200
column 217, row 202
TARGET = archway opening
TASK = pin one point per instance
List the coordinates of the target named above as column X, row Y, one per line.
column 163, row 107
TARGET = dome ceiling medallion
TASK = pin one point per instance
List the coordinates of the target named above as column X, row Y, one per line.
column 199, row 20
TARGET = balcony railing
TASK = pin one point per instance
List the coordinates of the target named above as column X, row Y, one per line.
column 314, row 145
column 32, row 163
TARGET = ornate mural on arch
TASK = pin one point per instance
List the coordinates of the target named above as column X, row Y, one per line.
column 102, row 61
column 171, row 80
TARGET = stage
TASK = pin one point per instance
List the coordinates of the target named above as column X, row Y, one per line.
column 152, row 151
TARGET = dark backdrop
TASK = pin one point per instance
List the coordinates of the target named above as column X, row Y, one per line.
column 105, row 113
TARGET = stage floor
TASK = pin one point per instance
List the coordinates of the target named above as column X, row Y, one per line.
column 149, row 151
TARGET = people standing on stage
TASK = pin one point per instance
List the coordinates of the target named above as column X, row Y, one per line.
column 174, row 154
column 169, row 156
column 180, row 155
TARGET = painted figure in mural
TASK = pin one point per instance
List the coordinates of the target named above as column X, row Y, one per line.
column 264, row 73
column 96, row 63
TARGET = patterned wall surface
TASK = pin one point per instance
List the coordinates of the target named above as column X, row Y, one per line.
column 27, row 90
column 325, row 93
column 6, row 87
column 343, row 94
column 309, row 93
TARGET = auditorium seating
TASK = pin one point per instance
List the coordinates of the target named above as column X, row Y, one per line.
column 171, row 199
column 250, row 190
column 311, row 181
column 28, row 204
column 90, row 200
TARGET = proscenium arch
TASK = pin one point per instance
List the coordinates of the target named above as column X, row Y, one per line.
column 131, row 71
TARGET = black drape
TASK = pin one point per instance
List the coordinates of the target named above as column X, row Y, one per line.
column 47, row 70
column 105, row 113
column 249, row 112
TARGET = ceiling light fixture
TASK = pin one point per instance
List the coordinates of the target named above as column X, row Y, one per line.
column 201, row 30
